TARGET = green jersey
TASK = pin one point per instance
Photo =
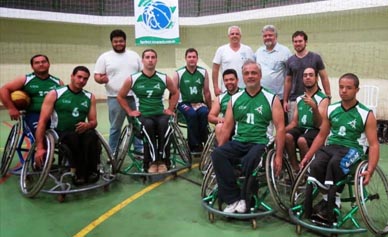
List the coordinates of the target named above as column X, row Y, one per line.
column 348, row 126
column 223, row 99
column 253, row 116
column 70, row 108
column 191, row 84
column 305, row 112
column 149, row 92
column 37, row 89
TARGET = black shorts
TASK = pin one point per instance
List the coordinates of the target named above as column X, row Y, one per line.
column 308, row 134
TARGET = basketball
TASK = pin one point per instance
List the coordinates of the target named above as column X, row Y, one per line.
column 20, row 99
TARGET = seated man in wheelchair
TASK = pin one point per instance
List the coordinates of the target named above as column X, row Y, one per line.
column 220, row 104
column 68, row 107
column 149, row 86
column 193, row 84
column 304, row 127
column 252, row 113
column 36, row 84
column 347, row 127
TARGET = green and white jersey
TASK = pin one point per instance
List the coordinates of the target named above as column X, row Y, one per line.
column 37, row 89
column 191, row 84
column 348, row 126
column 253, row 116
column 305, row 112
column 70, row 108
column 223, row 99
column 149, row 92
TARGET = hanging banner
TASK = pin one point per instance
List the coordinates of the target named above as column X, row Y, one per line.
column 156, row 22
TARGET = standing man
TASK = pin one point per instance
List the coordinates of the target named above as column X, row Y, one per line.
column 232, row 55
column 69, row 106
column 349, row 130
column 112, row 68
column 251, row 112
column 217, row 112
column 304, row 126
column 296, row 64
column 149, row 86
column 36, row 84
column 272, row 57
column 193, row 83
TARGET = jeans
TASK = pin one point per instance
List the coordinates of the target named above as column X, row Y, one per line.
column 116, row 120
column 197, row 124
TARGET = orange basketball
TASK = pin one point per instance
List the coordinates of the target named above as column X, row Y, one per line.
column 20, row 99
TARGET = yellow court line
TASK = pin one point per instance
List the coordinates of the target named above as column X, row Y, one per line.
column 124, row 203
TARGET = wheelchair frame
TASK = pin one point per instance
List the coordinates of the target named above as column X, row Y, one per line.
column 278, row 188
column 180, row 156
column 360, row 198
column 56, row 179
column 15, row 141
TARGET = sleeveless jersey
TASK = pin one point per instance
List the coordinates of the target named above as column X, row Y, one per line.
column 37, row 89
column 253, row 116
column 348, row 126
column 305, row 112
column 149, row 92
column 70, row 108
column 223, row 99
column 191, row 84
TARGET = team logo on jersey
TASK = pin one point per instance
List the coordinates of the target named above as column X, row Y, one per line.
column 140, row 86
column 198, row 81
column 353, row 124
column 84, row 104
column 242, row 107
column 157, row 86
column 66, row 101
column 335, row 119
column 259, row 109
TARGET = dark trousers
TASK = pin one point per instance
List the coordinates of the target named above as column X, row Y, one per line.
column 85, row 150
column 225, row 158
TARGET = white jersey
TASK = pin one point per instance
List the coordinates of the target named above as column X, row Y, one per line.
column 118, row 67
column 230, row 59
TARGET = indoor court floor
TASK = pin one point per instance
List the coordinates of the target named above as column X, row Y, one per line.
column 166, row 207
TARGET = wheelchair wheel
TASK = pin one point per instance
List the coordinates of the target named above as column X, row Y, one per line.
column 280, row 187
column 372, row 199
column 123, row 146
column 205, row 159
column 181, row 145
column 10, row 147
column 106, row 165
column 32, row 179
column 209, row 182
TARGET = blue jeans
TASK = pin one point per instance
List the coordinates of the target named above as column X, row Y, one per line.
column 116, row 119
column 197, row 124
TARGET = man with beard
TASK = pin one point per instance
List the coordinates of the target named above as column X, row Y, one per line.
column 231, row 55
column 112, row 68
column 296, row 64
column 304, row 127
column 272, row 57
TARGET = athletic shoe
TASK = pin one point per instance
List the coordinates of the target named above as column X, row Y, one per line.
column 237, row 206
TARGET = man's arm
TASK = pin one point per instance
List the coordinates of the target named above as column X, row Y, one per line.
column 322, row 110
column 5, row 95
column 46, row 111
column 228, row 125
column 206, row 91
column 174, row 96
column 294, row 121
column 214, row 112
column 278, row 121
column 82, row 127
column 122, row 98
column 374, row 152
column 101, row 78
column 287, row 91
column 325, row 82
column 215, row 71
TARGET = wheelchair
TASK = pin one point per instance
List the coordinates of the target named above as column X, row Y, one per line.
column 180, row 157
column 19, row 140
column 368, row 201
column 266, row 194
column 55, row 177
column 205, row 159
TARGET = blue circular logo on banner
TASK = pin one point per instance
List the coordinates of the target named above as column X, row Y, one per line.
column 157, row 16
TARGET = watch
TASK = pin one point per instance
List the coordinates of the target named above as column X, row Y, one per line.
column 329, row 96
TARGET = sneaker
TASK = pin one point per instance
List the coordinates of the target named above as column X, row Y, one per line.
column 319, row 206
column 231, row 208
column 326, row 217
column 162, row 168
column 93, row 177
column 237, row 206
column 241, row 207
column 153, row 169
